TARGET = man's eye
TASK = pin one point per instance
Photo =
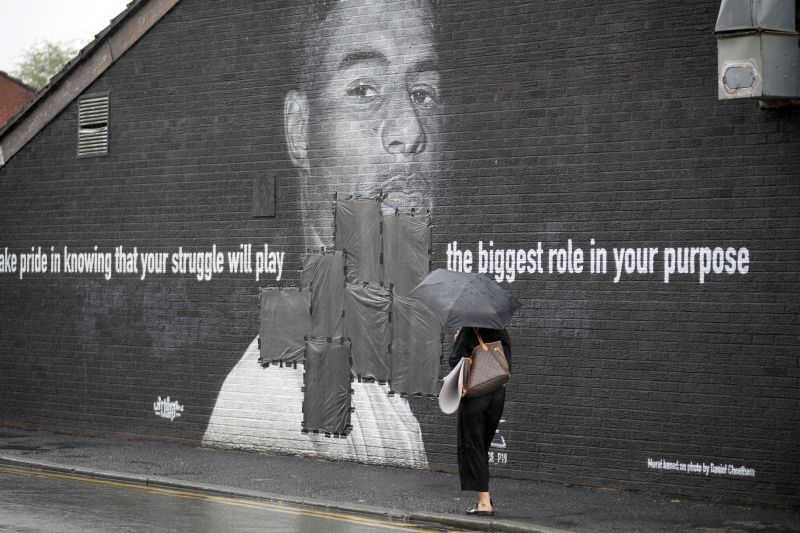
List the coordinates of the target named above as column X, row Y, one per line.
column 423, row 96
column 362, row 91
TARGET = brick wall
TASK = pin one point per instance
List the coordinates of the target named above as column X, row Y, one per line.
column 13, row 95
column 565, row 121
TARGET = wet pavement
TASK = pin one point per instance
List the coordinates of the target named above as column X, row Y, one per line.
column 385, row 492
column 36, row 500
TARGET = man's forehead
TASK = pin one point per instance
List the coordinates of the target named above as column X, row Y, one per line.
column 324, row 6
column 334, row 14
column 401, row 30
column 385, row 27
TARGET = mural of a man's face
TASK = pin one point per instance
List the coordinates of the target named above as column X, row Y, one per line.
column 368, row 118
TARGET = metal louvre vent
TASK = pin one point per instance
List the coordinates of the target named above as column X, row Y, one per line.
column 93, row 125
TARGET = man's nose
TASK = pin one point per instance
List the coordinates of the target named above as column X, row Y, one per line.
column 402, row 131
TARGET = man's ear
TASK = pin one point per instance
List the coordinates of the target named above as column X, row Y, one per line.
column 295, row 122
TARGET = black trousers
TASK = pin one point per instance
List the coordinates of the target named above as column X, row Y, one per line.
column 478, row 419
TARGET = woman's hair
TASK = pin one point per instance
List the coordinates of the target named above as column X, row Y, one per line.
column 505, row 334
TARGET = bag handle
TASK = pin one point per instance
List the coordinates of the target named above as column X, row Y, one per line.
column 483, row 344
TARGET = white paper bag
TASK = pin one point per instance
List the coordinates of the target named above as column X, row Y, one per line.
column 453, row 383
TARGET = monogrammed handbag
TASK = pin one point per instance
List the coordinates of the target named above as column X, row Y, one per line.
column 486, row 369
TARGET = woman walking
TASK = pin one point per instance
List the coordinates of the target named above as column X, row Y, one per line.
column 478, row 418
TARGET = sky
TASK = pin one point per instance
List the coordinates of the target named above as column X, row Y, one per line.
column 24, row 22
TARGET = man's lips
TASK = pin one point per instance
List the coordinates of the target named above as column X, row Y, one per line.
column 406, row 190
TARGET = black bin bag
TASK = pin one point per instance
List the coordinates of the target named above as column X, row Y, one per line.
column 416, row 348
column 367, row 307
column 323, row 277
column 406, row 251
column 358, row 235
column 284, row 321
column 327, row 378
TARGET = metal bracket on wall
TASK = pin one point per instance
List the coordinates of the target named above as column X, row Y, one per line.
column 264, row 196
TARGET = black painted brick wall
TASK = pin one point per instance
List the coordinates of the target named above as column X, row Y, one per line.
column 566, row 120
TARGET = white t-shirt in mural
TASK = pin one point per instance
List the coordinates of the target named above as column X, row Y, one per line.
column 261, row 409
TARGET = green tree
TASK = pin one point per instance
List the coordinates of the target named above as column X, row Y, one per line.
column 42, row 61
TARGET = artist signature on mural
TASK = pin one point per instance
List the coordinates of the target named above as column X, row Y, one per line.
column 167, row 408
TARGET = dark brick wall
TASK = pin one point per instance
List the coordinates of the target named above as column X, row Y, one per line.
column 565, row 121
column 193, row 121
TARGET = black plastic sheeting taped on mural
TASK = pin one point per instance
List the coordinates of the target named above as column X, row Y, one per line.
column 416, row 352
column 367, row 307
column 406, row 251
column 284, row 323
column 327, row 398
column 351, row 299
column 358, row 234
column 323, row 275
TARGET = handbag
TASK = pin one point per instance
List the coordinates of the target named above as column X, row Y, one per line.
column 486, row 369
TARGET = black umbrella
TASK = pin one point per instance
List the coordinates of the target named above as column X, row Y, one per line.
column 460, row 299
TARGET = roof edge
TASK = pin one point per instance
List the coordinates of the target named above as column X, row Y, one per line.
column 107, row 47
column 18, row 81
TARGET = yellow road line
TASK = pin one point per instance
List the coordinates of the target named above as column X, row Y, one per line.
column 228, row 500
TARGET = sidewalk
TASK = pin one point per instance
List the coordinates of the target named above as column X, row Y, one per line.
column 419, row 496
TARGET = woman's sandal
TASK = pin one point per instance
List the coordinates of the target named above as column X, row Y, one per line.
column 475, row 512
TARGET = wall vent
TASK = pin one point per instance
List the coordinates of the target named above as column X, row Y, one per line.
column 93, row 125
column 758, row 51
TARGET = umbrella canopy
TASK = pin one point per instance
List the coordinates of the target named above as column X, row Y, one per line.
column 461, row 299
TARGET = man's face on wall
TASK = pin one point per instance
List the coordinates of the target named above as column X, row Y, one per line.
column 369, row 121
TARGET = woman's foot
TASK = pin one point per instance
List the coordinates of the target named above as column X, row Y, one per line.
column 477, row 511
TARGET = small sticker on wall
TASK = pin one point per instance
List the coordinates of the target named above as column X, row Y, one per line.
column 167, row 408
